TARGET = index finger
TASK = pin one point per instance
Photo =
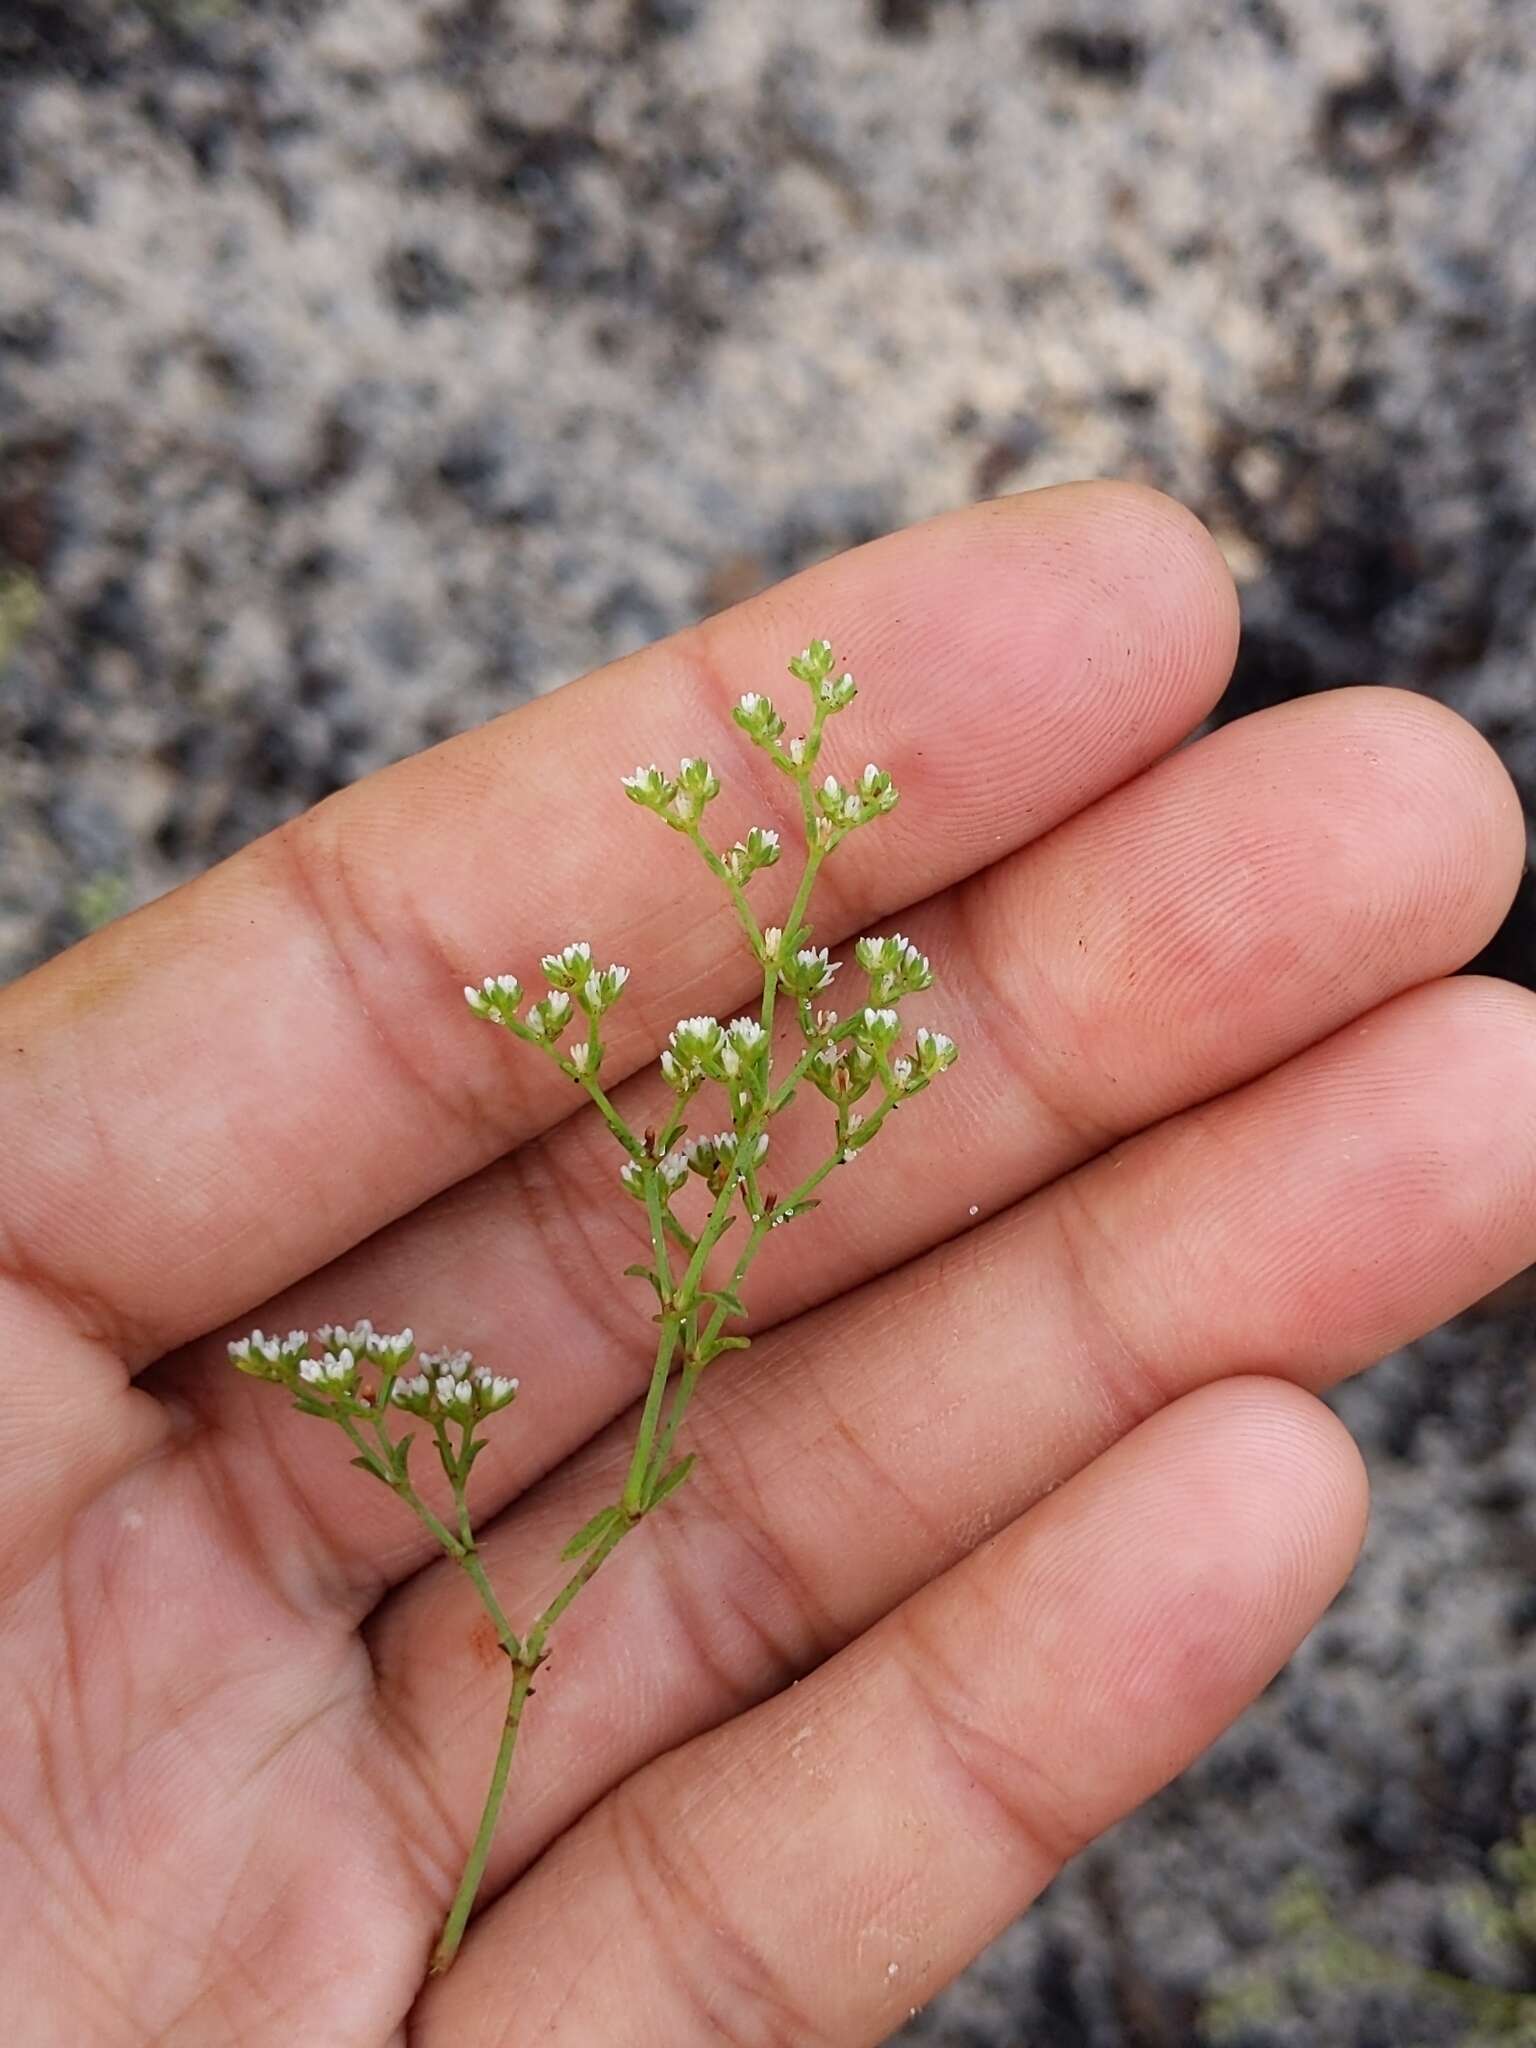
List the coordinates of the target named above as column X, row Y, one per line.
column 212, row 1098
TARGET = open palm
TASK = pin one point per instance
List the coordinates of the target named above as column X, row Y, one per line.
column 1023, row 1480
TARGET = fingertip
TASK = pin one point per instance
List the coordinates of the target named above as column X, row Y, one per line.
column 1442, row 759
column 1300, row 1467
column 1156, row 550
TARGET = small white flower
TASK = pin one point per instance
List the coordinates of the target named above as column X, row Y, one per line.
column 602, row 987
column 749, row 701
column 496, row 995
column 674, row 1169
column 632, row 1177
column 582, row 1056
column 391, row 1350
column 747, row 1033
column 695, row 1043
column 797, row 752
column 773, row 938
column 815, row 970
column 648, row 786
column 312, row 1370
column 571, row 965
column 935, row 1051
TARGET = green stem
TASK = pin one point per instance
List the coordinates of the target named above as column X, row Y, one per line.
column 611, row 1117
column 525, row 1660
column 687, row 1381
column 506, row 1635
column 815, row 855
column 402, row 1487
column 639, row 1464
column 469, row 1884
column 538, row 1635
column 738, row 894
column 666, row 1343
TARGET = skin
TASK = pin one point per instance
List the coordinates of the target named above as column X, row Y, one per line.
column 1022, row 1493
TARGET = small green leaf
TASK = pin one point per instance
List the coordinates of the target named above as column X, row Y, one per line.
column 400, row 1456
column 591, row 1532
column 732, row 1344
column 307, row 1405
column 727, row 1298
column 670, row 1481
column 645, row 1273
column 372, row 1465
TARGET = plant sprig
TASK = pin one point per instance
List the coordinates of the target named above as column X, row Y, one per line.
column 367, row 1382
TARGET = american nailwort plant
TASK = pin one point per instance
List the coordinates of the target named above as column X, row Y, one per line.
column 371, row 1384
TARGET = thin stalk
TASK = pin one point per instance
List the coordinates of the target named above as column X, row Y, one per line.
column 666, row 1343
column 525, row 1659
column 611, row 1117
column 813, row 860
column 538, row 1635
column 738, row 894
column 403, row 1488
column 469, row 1884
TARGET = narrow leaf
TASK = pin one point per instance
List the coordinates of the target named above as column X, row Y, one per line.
column 590, row 1533
column 645, row 1273
column 727, row 1298
column 670, row 1481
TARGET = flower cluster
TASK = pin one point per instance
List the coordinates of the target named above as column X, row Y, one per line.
column 450, row 1384
column 703, row 1049
column 760, row 849
column 575, row 985
column 359, row 1370
column 895, row 967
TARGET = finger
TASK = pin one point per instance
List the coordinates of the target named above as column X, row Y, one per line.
column 1245, row 896
column 819, row 1868
column 214, row 1097
column 1304, row 1225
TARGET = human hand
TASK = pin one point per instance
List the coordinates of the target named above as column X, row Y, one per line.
column 1023, row 1481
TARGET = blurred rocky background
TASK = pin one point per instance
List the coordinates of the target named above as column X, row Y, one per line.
column 367, row 366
